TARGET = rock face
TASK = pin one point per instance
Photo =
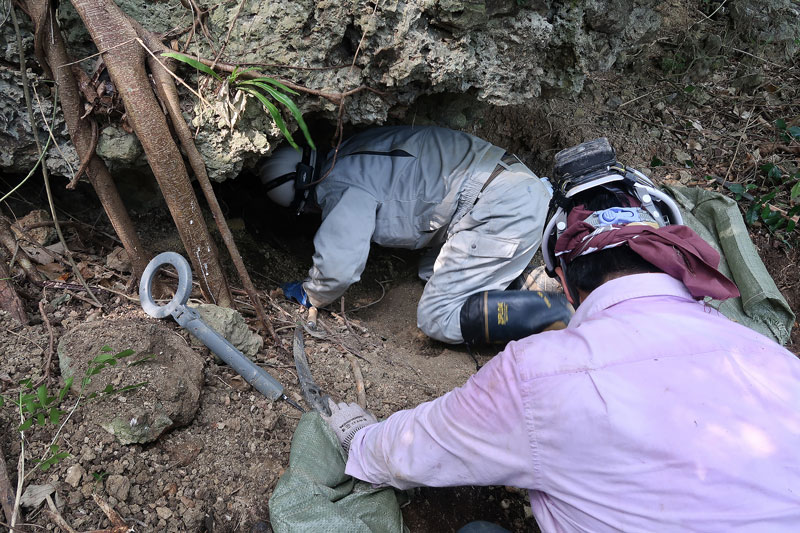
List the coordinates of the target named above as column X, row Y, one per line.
column 173, row 377
column 499, row 52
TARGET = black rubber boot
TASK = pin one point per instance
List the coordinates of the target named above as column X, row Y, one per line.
column 491, row 317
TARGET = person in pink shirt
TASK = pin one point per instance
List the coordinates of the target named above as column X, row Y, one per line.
column 649, row 412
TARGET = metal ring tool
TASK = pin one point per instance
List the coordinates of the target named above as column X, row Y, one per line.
column 190, row 320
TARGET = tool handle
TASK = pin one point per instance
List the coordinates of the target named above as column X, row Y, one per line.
column 252, row 373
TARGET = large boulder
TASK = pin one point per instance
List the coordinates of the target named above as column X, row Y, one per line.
column 499, row 52
column 171, row 370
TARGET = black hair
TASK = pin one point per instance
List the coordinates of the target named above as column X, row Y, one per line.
column 587, row 272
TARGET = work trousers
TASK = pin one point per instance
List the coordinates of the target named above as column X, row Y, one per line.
column 486, row 249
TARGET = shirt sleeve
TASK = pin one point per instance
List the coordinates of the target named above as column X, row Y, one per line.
column 341, row 246
column 473, row 435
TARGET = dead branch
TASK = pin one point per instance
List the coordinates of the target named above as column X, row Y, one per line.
column 6, row 491
column 9, row 299
column 49, row 359
column 10, row 242
column 361, row 392
column 53, row 58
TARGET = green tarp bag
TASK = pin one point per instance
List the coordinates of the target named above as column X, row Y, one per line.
column 315, row 495
column 716, row 218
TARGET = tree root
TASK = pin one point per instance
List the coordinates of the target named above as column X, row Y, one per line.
column 169, row 96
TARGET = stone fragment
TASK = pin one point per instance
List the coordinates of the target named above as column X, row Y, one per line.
column 163, row 513
column 118, row 487
column 230, row 324
column 118, row 260
column 74, row 475
column 42, row 235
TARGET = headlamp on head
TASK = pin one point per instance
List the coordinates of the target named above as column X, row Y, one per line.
column 594, row 164
column 288, row 176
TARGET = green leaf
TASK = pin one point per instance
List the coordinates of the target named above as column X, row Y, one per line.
column 28, row 405
column 238, row 72
column 193, row 62
column 106, row 348
column 124, row 353
column 794, row 131
column 2, row 401
column 41, row 394
column 53, row 448
column 55, row 416
column 276, row 115
column 773, row 172
column 689, row 89
column 143, row 359
column 736, row 188
column 134, row 386
column 656, row 162
column 40, row 419
column 277, row 84
column 795, row 190
column 293, row 109
column 25, row 425
column 67, row 384
column 780, row 124
column 791, row 225
column 109, row 388
column 103, row 358
column 27, row 382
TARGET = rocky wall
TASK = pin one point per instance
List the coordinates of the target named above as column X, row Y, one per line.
column 500, row 52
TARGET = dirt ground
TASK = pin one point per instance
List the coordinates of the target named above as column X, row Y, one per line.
column 217, row 473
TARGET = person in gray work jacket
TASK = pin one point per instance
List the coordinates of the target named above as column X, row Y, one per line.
column 479, row 211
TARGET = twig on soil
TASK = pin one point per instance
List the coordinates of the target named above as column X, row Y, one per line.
column 56, row 517
column 738, row 144
column 6, row 492
column 344, row 319
column 383, row 293
column 361, row 393
column 46, row 373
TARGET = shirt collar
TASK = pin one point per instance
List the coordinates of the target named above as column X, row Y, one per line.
column 626, row 288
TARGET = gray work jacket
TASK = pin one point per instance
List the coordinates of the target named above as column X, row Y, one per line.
column 396, row 186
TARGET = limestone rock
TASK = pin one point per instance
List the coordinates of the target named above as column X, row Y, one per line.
column 120, row 148
column 118, row 486
column 230, row 324
column 172, row 374
column 74, row 475
column 42, row 235
column 499, row 52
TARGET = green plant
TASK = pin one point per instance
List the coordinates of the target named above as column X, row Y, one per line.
column 38, row 405
column 262, row 88
column 771, row 207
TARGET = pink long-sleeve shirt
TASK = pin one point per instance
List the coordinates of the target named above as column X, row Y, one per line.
column 650, row 412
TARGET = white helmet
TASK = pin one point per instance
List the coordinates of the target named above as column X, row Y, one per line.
column 594, row 164
column 278, row 173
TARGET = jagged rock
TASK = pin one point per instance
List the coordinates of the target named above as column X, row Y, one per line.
column 120, row 148
column 42, row 235
column 118, row 486
column 498, row 52
column 230, row 324
column 74, row 475
column 173, row 377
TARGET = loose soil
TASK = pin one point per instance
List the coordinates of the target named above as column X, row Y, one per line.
column 217, row 473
